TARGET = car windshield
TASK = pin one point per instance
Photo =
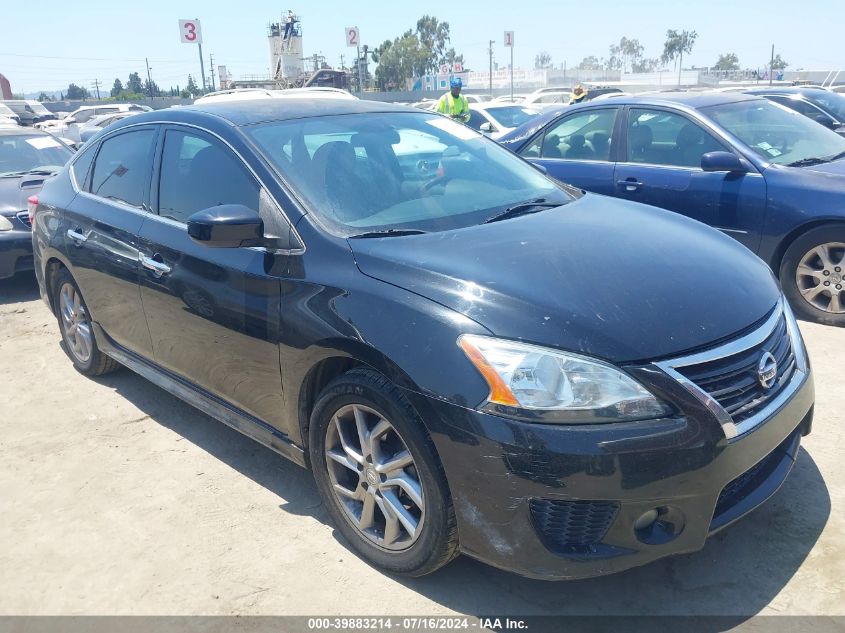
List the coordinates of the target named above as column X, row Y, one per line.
column 6, row 111
column 831, row 101
column 400, row 171
column 512, row 116
column 23, row 153
column 776, row 133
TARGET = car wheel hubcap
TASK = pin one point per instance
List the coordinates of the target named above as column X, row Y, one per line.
column 374, row 477
column 821, row 277
column 77, row 327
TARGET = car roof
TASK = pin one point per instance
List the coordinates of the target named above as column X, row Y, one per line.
column 786, row 90
column 252, row 111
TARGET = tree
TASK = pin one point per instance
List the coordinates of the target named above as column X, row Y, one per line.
column 624, row 54
column 678, row 43
column 43, row 96
column 76, row 93
column 728, row 61
column 192, row 88
column 645, row 65
column 590, row 63
column 778, row 63
column 416, row 52
column 542, row 60
column 134, row 84
column 117, row 88
column 151, row 89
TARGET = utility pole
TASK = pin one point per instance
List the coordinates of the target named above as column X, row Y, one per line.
column 97, row 88
column 342, row 67
column 771, row 64
column 211, row 63
column 360, row 72
column 149, row 78
column 202, row 66
column 511, row 73
column 490, row 52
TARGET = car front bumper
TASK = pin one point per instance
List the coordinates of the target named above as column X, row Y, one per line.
column 15, row 252
column 561, row 502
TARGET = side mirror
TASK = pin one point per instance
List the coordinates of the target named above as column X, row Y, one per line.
column 68, row 120
column 722, row 161
column 486, row 128
column 541, row 168
column 227, row 226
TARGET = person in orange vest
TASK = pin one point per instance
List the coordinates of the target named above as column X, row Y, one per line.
column 453, row 104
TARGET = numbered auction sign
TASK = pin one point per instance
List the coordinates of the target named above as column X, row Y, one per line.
column 353, row 38
column 509, row 38
column 190, row 32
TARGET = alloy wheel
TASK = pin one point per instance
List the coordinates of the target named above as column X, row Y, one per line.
column 77, row 326
column 820, row 277
column 374, row 477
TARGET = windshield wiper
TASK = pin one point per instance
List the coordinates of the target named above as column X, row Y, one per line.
column 836, row 156
column 388, row 233
column 523, row 208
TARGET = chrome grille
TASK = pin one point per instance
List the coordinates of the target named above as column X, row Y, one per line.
column 727, row 381
column 733, row 381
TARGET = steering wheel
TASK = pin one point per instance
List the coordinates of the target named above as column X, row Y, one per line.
column 431, row 184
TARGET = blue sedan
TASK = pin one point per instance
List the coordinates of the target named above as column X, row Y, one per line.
column 763, row 174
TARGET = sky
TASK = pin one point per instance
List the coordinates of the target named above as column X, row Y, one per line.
column 99, row 40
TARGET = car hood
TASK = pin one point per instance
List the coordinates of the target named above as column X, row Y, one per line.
column 836, row 168
column 15, row 190
column 600, row 276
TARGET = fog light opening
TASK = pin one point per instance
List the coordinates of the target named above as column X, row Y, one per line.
column 646, row 520
column 659, row 525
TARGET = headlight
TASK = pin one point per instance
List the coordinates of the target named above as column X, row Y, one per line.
column 549, row 385
column 5, row 224
column 802, row 361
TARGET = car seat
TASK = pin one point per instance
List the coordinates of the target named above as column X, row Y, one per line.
column 551, row 146
column 578, row 147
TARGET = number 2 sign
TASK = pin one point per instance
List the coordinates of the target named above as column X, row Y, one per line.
column 190, row 32
column 352, row 36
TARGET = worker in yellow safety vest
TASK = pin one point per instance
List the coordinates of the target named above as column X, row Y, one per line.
column 453, row 104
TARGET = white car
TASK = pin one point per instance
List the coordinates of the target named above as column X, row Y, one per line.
column 243, row 94
column 70, row 125
column 8, row 116
column 496, row 119
column 517, row 98
column 544, row 99
column 478, row 98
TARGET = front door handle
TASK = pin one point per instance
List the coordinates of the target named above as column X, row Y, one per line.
column 154, row 265
column 77, row 236
column 629, row 184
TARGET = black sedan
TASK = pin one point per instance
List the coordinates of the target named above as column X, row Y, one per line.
column 469, row 356
column 822, row 105
column 27, row 158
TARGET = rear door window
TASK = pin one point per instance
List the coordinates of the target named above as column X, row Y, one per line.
column 123, row 166
column 657, row 137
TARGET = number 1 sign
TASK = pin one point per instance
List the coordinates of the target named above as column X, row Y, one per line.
column 190, row 32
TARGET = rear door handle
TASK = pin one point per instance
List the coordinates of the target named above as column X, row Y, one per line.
column 77, row 236
column 156, row 267
column 629, row 184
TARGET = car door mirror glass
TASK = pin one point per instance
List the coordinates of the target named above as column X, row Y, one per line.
column 487, row 127
column 722, row 161
column 227, row 226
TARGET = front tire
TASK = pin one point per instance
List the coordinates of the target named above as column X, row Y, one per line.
column 812, row 274
column 380, row 477
column 76, row 328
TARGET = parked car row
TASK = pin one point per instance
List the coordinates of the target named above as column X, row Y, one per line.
column 765, row 175
column 27, row 112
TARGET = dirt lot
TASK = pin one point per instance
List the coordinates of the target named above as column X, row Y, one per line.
column 116, row 498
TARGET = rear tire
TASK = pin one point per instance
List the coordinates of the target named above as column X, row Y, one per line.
column 76, row 328
column 371, row 454
column 812, row 274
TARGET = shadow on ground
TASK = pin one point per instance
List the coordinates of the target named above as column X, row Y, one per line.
column 21, row 287
column 737, row 573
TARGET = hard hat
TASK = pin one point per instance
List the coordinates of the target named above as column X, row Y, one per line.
column 456, row 83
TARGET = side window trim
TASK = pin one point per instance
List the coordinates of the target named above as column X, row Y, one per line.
column 145, row 200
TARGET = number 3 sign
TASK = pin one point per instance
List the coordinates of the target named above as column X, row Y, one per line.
column 190, row 32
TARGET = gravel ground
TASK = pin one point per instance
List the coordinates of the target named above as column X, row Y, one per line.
column 117, row 498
